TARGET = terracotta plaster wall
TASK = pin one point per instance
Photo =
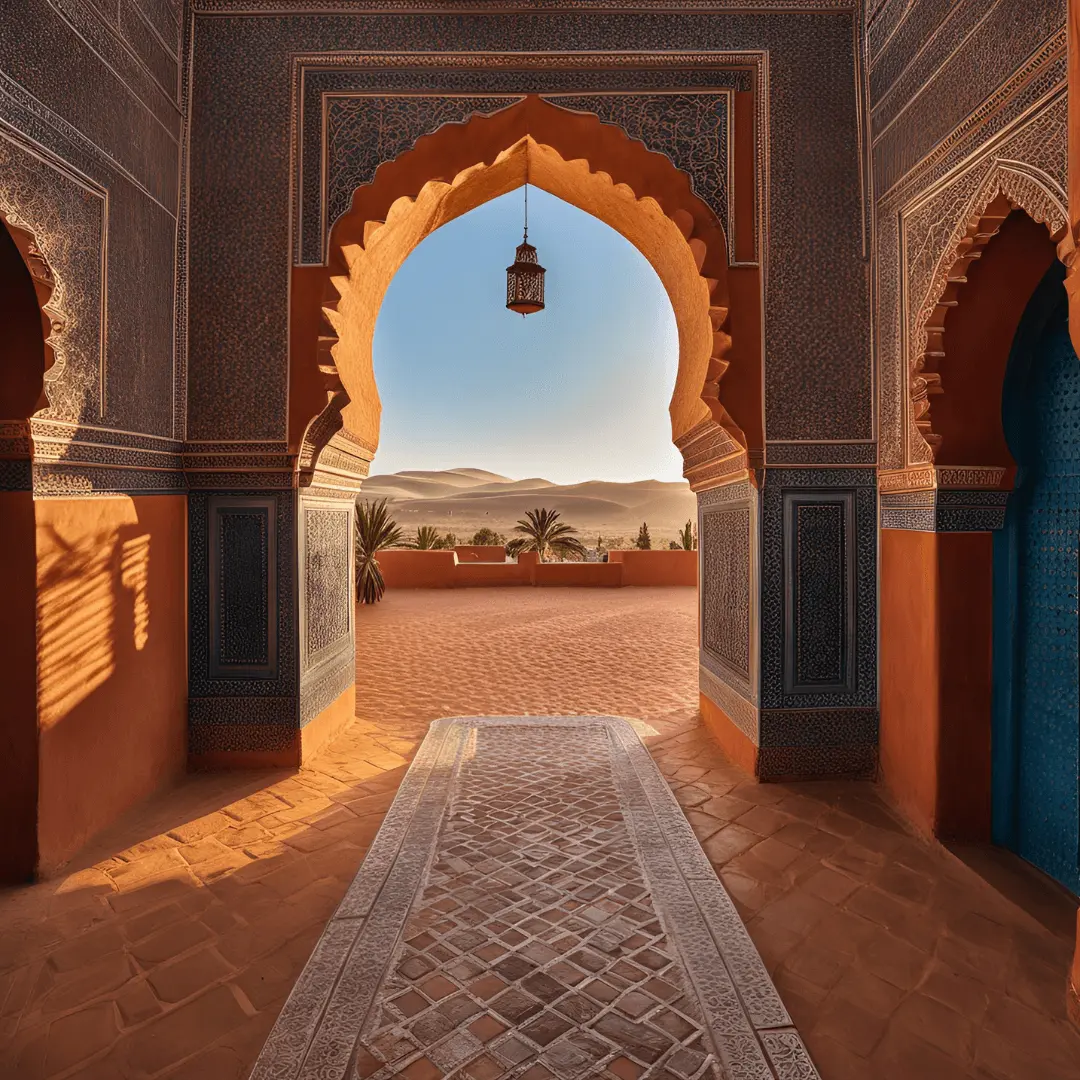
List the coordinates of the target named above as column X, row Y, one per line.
column 657, row 567
column 112, row 669
column 936, row 671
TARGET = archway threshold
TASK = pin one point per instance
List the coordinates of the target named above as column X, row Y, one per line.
column 535, row 904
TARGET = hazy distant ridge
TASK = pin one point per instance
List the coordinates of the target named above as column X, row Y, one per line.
column 464, row 500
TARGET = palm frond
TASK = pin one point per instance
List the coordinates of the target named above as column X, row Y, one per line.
column 375, row 529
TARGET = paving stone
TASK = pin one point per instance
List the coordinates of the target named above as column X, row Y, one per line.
column 182, row 978
column 79, row 1035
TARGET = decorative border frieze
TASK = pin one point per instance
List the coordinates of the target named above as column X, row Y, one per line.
column 820, row 454
column 931, row 477
column 944, row 510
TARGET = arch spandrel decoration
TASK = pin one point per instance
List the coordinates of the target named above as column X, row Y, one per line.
column 636, row 191
column 1009, row 185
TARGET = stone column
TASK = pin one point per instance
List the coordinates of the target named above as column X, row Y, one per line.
column 788, row 621
column 272, row 645
column 937, row 644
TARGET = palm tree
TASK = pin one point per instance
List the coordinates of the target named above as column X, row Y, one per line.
column 427, row 539
column 545, row 534
column 375, row 530
column 687, row 539
column 643, row 542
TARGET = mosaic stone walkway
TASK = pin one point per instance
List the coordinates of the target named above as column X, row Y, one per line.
column 535, row 905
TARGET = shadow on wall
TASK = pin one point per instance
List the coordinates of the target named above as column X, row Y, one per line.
column 111, row 675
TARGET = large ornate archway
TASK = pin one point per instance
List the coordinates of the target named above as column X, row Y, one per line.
column 596, row 167
column 636, row 191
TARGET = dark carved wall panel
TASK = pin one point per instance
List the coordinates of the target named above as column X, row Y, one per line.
column 724, row 540
column 243, row 95
column 242, row 578
column 819, row 592
column 230, row 709
column 816, row 655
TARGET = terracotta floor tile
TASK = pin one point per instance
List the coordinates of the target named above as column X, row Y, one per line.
column 171, row 1038
column 936, row 1023
column 730, row 841
column 77, row 1036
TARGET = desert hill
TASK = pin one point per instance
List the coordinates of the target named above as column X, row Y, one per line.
column 464, row 500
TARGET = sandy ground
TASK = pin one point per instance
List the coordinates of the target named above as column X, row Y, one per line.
column 624, row 652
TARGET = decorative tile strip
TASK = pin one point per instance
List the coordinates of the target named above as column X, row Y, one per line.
column 524, row 864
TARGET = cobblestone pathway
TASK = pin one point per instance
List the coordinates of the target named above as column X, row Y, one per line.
column 564, row 922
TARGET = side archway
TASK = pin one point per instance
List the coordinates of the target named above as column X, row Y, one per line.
column 587, row 163
column 938, row 531
column 26, row 287
column 1010, row 186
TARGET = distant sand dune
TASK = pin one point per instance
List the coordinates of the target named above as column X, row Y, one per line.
column 464, row 500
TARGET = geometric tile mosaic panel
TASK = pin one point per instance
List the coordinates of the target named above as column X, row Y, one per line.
column 535, row 904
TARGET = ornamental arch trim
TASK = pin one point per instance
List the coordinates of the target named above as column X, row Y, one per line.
column 48, row 293
column 595, row 166
column 1010, row 185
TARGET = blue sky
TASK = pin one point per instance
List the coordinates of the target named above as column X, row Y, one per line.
column 579, row 391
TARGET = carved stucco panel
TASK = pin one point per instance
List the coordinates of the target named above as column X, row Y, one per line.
column 67, row 220
column 1030, row 169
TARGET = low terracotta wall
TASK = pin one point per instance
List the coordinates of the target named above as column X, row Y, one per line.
column 479, row 574
column 595, row 574
column 480, row 553
column 418, row 569
column 657, row 567
column 406, row 569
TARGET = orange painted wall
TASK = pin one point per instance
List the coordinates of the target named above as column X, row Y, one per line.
column 1074, row 979
column 480, row 553
column 936, row 678
column 731, row 740
column 657, row 567
column 112, row 661
column 596, row 574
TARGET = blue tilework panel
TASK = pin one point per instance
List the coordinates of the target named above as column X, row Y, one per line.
column 1042, row 525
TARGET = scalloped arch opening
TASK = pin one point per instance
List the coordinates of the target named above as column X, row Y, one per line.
column 26, row 287
column 978, row 336
column 591, row 165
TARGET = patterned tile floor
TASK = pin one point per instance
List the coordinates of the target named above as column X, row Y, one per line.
column 535, row 905
column 170, row 947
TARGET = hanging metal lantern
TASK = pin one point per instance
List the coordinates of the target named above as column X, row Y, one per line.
column 525, row 279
